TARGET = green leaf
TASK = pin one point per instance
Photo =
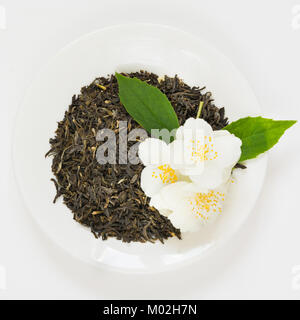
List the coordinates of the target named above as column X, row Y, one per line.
column 257, row 134
column 146, row 104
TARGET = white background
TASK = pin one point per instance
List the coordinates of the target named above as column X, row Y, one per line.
column 262, row 38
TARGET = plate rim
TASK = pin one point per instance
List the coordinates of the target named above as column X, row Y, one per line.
column 178, row 265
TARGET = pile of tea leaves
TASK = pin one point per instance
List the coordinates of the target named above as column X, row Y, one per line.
column 108, row 198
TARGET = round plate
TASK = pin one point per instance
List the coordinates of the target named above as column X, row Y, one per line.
column 159, row 49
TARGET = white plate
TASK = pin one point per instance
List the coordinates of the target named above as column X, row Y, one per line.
column 155, row 48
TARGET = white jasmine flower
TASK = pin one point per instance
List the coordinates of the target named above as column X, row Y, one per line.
column 206, row 156
column 155, row 155
column 187, row 179
column 187, row 207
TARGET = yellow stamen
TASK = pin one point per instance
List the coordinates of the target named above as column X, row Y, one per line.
column 202, row 151
column 167, row 174
column 206, row 204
